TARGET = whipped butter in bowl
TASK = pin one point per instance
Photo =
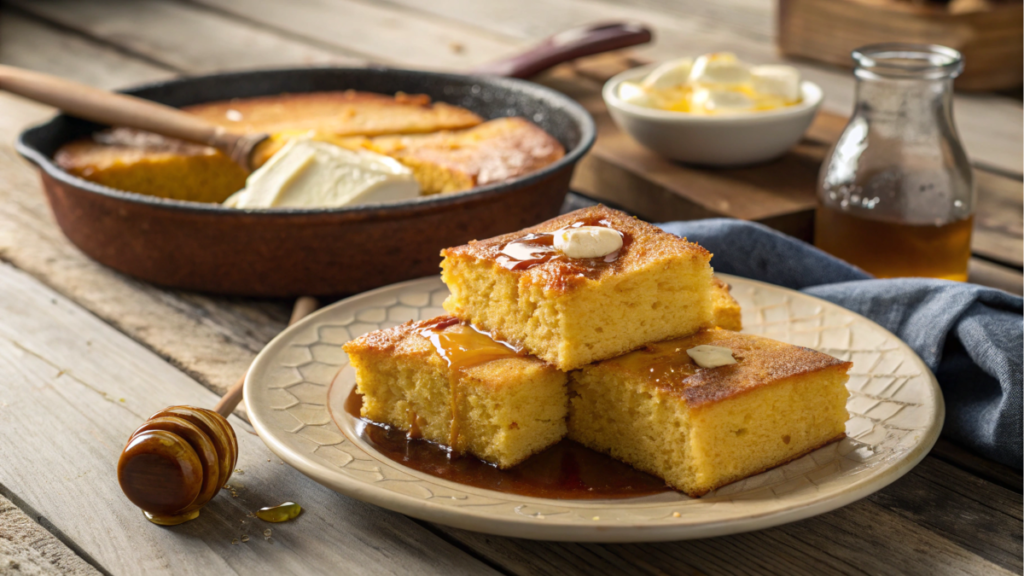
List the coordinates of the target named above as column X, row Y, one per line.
column 714, row 84
column 306, row 173
column 713, row 109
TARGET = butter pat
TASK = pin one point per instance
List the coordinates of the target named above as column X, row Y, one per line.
column 721, row 69
column 635, row 94
column 721, row 101
column 711, row 356
column 778, row 81
column 671, row 74
column 587, row 241
column 311, row 174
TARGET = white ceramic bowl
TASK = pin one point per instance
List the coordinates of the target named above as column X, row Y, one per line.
column 727, row 140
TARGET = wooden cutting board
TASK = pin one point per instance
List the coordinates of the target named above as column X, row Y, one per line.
column 780, row 193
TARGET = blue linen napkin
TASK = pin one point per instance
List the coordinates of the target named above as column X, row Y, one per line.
column 970, row 336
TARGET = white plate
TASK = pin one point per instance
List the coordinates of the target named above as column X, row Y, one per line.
column 896, row 413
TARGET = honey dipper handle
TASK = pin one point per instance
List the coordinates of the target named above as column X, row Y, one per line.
column 569, row 45
column 122, row 110
column 304, row 306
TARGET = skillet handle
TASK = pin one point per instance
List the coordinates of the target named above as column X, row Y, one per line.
column 569, row 45
column 117, row 109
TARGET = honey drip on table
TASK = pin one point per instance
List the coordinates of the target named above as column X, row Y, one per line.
column 536, row 249
column 280, row 513
column 461, row 347
column 173, row 519
column 565, row 471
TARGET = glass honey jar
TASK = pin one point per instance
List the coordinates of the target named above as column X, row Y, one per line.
column 896, row 192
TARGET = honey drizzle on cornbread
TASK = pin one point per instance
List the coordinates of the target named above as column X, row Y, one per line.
column 536, row 249
column 462, row 347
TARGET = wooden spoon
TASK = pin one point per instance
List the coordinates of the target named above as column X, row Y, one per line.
column 122, row 110
column 182, row 456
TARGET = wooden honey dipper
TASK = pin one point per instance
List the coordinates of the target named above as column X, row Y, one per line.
column 182, row 456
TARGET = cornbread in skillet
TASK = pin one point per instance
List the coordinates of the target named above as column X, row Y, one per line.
column 452, row 161
column 725, row 308
column 150, row 164
column 702, row 428
column 443, row 381
column 573, row 311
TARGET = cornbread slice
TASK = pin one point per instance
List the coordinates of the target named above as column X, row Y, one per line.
column 146, row 163
column 725, row 308
column 571, row 312
column 443, row 381
column 701, row 429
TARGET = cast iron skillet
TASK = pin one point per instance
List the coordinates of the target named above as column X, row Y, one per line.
column 278, row 253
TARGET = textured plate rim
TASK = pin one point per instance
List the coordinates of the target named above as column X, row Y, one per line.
column 872, row 481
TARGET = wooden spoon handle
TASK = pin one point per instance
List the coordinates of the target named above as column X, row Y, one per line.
column 120, row 110
column 304, row 306
column 569, row 45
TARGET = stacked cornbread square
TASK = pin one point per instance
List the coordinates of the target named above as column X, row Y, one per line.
column 599, row 326
column 702, row 428
column 574, row 311
column 443, row 381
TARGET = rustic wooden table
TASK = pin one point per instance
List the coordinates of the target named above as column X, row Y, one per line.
column 86, row 354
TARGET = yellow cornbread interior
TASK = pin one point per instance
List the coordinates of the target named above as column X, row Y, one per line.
column 600, row 319
column 505, row 411
column 725, row 309
column 747, row 422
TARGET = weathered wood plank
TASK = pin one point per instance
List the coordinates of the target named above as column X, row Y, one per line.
column 977, row 466
column 29, row 43
column 973, row 513
column 377, row 31
column 73, row 391
column 27, row 548
column 182, row 37
column 862, row 538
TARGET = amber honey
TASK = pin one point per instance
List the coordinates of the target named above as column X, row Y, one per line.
column 892, row 250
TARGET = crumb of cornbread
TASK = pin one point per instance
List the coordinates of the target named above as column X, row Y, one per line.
column 701, row 429
column 572, row 312
column 146, row 163
column 507, row 409
column 725, row 308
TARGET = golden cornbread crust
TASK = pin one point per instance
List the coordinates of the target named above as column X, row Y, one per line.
column 502, row 411
column 760, row 362
column 494, row 151
column 701, row 429
column 648, row 244
column 342, row 113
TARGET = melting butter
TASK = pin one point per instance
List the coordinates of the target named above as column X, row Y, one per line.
column 306, row 173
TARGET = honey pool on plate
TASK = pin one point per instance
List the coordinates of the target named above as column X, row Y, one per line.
column 565, row 471
column 891, row 250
